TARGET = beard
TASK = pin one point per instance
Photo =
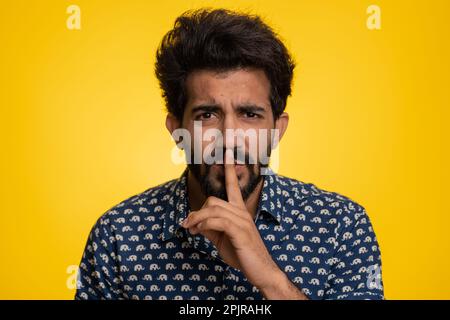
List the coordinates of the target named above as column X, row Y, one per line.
column 213, row 184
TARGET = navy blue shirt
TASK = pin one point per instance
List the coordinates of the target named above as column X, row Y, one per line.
column 323, row 241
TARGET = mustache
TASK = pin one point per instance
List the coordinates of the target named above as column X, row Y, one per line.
column 239, row 156
column 217, row 156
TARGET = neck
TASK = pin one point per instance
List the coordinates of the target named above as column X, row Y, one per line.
column 196, row 197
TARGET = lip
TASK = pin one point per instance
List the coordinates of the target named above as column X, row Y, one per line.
column 239, row 167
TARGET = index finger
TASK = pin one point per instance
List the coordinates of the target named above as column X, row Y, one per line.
column 231, row 180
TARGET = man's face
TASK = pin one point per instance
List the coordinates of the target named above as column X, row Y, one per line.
column 229, row 101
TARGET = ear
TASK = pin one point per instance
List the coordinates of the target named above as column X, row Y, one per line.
column 281, row 124
column 172, row 123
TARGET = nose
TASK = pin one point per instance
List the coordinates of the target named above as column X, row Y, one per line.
column 230, row 132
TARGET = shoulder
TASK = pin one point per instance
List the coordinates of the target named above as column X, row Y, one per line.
column 319, row 204
column 142, row 208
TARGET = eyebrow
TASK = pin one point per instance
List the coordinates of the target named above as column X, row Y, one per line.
column 206, row 108
column 241, row 108
column 251, row 108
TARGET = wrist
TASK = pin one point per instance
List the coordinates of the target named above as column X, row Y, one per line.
column 281, row 287
column 275, row 280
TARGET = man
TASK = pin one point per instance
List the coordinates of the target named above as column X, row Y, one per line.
column 229, row 229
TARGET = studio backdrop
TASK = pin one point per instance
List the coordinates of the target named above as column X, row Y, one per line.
column 83, row 125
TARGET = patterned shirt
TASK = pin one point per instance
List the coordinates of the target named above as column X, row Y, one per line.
column 323, row 241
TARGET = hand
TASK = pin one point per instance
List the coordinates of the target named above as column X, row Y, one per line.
column 230, row 227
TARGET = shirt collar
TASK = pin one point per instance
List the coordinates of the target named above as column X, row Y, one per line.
column 270, row 203
column 177, row 207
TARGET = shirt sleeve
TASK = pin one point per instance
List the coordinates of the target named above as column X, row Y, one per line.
column 356, row 271
column 98, row 267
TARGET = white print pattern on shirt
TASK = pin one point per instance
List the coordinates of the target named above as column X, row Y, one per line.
column 323, row 241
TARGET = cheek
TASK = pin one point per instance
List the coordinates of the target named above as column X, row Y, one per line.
column 258, row 148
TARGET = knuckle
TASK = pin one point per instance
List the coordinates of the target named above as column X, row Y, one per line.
column 191, row 216
column 215, row 208
column 211, row 200
column 247, row 223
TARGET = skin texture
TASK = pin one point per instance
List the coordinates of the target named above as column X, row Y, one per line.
column 229, row 222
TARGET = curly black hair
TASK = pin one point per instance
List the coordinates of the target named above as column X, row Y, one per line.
column 221, row 40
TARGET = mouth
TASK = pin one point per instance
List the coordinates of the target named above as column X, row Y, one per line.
column 239, row 167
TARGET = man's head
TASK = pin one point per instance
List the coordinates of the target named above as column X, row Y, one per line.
column 229, row 71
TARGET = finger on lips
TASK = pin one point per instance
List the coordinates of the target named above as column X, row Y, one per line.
column 231, row 180
column 215, row 208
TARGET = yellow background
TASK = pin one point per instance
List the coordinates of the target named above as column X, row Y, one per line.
column 82, row 126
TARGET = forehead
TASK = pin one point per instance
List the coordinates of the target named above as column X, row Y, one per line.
column 232, row 86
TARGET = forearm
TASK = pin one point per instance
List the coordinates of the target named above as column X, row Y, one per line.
column 281, row 288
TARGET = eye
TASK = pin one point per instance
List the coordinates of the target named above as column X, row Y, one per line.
column 205, row 116
column 251, row 115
